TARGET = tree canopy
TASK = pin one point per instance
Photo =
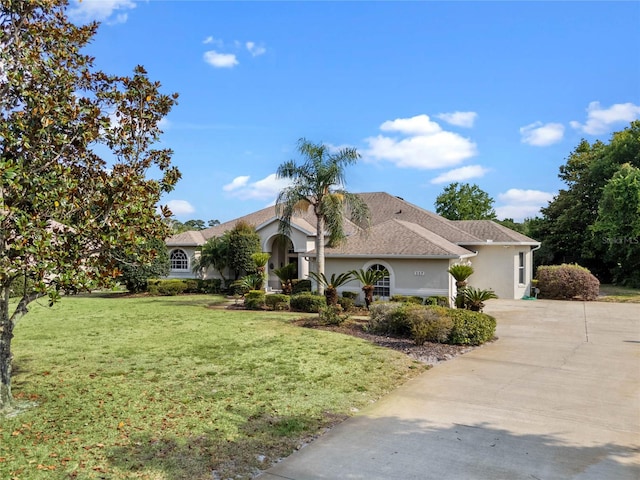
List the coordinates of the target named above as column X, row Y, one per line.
column 462, row 201
column 578, row 224
column 68, row 216
column 318, row 183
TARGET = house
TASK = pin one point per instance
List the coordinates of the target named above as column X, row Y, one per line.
column 414, row 245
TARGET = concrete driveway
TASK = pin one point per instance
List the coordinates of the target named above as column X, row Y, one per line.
column 556, row 397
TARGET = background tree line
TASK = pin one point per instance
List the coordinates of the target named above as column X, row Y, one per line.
column 594, row 221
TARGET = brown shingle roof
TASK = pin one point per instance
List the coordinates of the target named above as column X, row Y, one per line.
column 191, row 238
column 398, row 228
column 384, row 206
column 398, row 238
column 488, row 230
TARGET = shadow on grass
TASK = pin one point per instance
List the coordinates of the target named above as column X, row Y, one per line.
column 260, row 442
column 374, row 448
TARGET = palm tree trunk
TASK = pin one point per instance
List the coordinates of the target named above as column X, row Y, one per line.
column 320, row 250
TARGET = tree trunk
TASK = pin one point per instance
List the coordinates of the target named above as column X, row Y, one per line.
column 368, row 295
column 6, row 334
column 331, row 295
column 320, row 250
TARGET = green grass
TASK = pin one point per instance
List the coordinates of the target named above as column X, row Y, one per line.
column 615, row 293
column 167, row 388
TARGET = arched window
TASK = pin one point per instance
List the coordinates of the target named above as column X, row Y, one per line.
column 179, row 260
column 382, row 287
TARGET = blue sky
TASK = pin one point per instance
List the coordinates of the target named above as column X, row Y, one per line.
column 492, row 93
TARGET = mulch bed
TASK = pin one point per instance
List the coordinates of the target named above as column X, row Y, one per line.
column 429, row 353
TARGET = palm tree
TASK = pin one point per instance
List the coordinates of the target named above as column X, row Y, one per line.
column 460, row 272
column 330, row 286
column 368, row 279
column 318, row 183
column 214, row 253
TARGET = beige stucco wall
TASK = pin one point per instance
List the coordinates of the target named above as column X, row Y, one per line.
column 496, row 268
column 424, row 278
column 301, row 243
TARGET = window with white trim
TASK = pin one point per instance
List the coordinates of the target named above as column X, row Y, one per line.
column 382, row 288
column 521, row 268
column 179, row 260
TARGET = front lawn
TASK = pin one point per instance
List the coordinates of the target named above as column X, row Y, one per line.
column 615, row 293
column 169, row 388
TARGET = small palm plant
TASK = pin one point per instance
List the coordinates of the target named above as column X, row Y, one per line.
column 286, row 274
column 368, row 279
column 474, row 298
column 260, row 260
column 460, row 272
column 331, row 285
column 253, row 281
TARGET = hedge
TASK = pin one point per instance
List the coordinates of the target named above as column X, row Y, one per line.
column 308, row 302
column 567, row 281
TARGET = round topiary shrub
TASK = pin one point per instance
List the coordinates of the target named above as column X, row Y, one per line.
column 254, row 300
column 277, row 301
column 307, row 302
column 430, row 324
column 470, row 328
column 565, row 282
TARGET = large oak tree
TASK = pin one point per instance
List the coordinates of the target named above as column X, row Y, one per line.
column 67, row 214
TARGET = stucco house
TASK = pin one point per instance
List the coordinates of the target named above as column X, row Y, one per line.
column 414, row 245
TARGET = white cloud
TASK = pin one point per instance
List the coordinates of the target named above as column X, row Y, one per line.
column 460, row 119
column 255, row 50
column 425, row 144
column 180, row 207
column 600, row 120
column 460, row 174
column 220, row 60
column 267, row 188
column 236, row 183
column 542, row 135
column 520, row 204
column 100, row 10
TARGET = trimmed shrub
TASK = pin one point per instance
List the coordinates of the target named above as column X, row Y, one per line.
column 414, row 299
column 191, row 286
column 254, row 300
column 167, row 287
column 430, row 324
column 300, row 286
column 439, row 300
column 346, row 303
column 351, row 295
column 566, row 281
column 307, row 302
column 332, row 315
column 211, row 286
column 391, row 318
column 470, row 328
column 277, row 301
